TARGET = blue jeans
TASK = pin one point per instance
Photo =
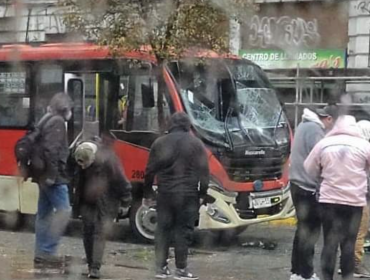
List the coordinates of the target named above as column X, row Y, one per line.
column 53, row 213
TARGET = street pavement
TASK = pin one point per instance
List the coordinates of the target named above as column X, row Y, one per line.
column 210, row 257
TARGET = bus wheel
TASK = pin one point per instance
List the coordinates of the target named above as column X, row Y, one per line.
column 143, row 221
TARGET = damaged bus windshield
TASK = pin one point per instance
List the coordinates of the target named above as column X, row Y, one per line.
column 231, row 102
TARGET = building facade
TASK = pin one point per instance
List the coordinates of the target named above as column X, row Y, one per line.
column 316, row 51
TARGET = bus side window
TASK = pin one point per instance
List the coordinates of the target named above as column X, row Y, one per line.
column 49, row 82
column 150, row 106
column 14, row 96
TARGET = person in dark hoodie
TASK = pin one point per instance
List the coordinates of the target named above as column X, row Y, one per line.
column 53, row 210
column 180, row 162
column 303, row 189
column 102, row 188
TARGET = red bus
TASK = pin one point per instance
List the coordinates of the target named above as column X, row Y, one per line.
column 233, row 108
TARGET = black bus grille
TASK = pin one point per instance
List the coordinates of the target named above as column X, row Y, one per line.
column 248, row 169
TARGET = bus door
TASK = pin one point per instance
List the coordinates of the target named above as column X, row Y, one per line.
column 138, row 115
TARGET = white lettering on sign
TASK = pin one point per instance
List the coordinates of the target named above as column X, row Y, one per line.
column 254, row 153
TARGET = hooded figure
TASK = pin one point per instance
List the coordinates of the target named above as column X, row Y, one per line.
column 102, row 187
column 180, row 162
column 342, row 161
column 53, row 209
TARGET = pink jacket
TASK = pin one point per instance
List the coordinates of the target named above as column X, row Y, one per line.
column 342, row 160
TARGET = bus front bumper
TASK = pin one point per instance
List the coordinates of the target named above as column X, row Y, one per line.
column 222, row 214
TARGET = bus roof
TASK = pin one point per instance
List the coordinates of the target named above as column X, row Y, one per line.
column 85, row 51
column 64, row 51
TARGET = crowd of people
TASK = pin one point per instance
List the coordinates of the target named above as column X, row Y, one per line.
column 329, row 175
column 178, row 160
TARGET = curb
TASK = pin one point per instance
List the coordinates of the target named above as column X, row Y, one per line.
column 284, row 222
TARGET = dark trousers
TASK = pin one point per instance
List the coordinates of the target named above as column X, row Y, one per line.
column 96, row 224
column 340, row 224
column 307, row 232
column 177, row 214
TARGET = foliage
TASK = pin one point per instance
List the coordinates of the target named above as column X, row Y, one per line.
column 167, row 27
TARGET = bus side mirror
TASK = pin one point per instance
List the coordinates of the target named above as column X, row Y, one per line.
column 147, row 95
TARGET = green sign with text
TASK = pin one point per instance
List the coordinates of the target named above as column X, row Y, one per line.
column 319, row 58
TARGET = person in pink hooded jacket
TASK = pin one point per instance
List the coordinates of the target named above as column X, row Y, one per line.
column 342, row 161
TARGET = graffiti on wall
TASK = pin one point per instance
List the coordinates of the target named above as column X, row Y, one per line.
column 283, row 31
column 48, row 19
column 364, row 7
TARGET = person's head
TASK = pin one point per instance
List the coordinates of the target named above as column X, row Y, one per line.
column 85, row 154
column 364, row 127
column 179, row 121
column 61, row 104
column 328, row 115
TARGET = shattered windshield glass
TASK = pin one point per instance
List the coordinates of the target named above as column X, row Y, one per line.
column 226, row 98
column 257, row 101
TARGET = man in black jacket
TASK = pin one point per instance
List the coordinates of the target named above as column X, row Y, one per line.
column 180, row 162
column 102, row 187
column 53, row 209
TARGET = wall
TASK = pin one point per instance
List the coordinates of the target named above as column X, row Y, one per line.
column 298, row 33
column 32, row 21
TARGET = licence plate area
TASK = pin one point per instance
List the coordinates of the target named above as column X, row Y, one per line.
column 264, row 202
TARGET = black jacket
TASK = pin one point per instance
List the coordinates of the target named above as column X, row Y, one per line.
column 179, row 161
column 103, row 184
column 53, row 150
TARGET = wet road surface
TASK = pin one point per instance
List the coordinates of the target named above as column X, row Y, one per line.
column 125, row 259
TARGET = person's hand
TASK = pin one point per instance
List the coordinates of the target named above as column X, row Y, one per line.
column 149, row 202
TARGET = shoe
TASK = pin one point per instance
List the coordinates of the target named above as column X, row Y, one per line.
column 94, row 273
column 48, row 261
column 295, row 277
column 163, row 273
column 361, row 272
column 313, row 277
column 184, row 274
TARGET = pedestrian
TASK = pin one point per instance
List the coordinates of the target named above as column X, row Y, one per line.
column 303, row 188
column 342, row 161
column 102, row 189
column 360, row 269
column 53, row 209
column 180, row 162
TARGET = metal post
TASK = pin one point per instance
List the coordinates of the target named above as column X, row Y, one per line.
column 296, row 98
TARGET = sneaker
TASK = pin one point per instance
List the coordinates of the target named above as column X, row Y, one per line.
column 94, row 273
column 163, row 273
column 295, row 277
column 48, row 261
column 361, row 272
column 184, row 274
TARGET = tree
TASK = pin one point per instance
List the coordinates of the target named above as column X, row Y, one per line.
column 167, row 27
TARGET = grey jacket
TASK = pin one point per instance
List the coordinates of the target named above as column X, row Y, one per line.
column 308, row 133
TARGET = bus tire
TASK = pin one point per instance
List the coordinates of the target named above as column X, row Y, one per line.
column 143, row 222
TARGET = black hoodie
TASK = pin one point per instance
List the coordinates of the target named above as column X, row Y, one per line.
column 179, row 161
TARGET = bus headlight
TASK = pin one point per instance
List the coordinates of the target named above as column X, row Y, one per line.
column 217, row 214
